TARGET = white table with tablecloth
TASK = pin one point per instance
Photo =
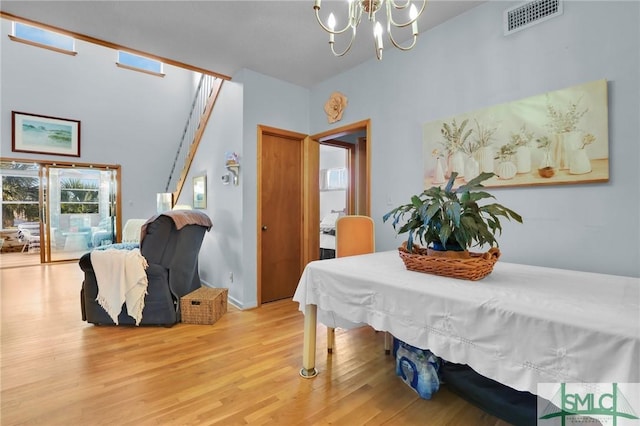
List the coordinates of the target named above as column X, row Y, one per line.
column 521, row 325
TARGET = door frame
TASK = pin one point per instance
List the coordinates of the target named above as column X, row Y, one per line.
column 43, row 164
column 115, row 205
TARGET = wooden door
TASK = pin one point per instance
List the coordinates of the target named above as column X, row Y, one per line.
column 280, row 194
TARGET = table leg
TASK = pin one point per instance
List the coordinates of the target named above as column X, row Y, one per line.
column 331, row 339
column 387, row 342
column 309, row 347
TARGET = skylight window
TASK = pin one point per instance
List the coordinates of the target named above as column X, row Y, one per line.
column 44, row 38
column 139, row 63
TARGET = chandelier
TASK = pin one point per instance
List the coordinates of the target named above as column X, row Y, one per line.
column 356, row 8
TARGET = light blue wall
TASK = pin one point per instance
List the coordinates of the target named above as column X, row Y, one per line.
column 272, row 103
column 466, row 64
column 127, row 117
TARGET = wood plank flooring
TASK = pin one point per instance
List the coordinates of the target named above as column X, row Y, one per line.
column 19, row 259
column 243, row 370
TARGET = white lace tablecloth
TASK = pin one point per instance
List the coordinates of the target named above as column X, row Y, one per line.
column 522, row 325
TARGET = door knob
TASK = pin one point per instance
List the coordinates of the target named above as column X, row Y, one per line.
column 264, row 227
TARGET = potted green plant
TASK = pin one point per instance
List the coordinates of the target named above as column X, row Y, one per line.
column 451, row 219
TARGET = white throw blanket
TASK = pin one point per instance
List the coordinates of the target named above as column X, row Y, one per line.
column 121, row 278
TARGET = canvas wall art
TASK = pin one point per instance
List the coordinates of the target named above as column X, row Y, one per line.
column 559, row 137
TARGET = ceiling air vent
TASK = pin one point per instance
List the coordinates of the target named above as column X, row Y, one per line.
column 527, row 14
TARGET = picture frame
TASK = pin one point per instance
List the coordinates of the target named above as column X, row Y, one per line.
column 41, row 134
column 200, row 192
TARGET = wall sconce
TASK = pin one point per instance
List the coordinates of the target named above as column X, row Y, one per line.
column 232, row 163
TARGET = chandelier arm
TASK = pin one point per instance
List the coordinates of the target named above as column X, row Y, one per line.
column 405, row 48
column 406, row 24
column 353, row 36
column 397, row 5
column 372, row 10
column 357, row 21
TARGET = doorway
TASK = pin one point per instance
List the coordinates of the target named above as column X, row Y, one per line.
column 56, row 211
column 344, row 180
column 79, row 207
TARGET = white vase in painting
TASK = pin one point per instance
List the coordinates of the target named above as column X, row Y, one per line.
column 565, row 144
column 580, row 163
column 523, row 159
column 471, row 168
column 456, row 164
column 438, row 174
column 506, row 170
column 485, row 159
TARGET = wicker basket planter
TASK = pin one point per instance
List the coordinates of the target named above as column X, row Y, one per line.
column 475, row 267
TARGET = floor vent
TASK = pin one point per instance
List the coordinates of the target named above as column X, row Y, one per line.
column 527, row 14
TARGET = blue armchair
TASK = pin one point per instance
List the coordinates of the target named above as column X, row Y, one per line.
column 171, row 245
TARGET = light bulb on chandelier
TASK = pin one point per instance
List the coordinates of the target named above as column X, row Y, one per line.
column 355, row 10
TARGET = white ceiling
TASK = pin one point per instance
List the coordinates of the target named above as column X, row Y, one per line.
column 277, row 38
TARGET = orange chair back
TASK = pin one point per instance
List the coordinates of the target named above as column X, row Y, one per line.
column 354, row 235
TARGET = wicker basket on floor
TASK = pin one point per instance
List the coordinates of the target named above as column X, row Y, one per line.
column 475, row 267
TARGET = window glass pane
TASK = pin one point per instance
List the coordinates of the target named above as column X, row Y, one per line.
column 20, row 193
column 14, row 214
column 337, row 178
column 79, row 196
column 19, row 188
column 68, row 208
column 141, row 62
column 39, row 35
column 19, row 200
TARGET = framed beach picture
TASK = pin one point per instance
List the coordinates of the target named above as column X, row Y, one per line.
column 200, row 192
column 41, row 134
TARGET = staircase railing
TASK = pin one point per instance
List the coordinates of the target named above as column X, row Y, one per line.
column 201, row 107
